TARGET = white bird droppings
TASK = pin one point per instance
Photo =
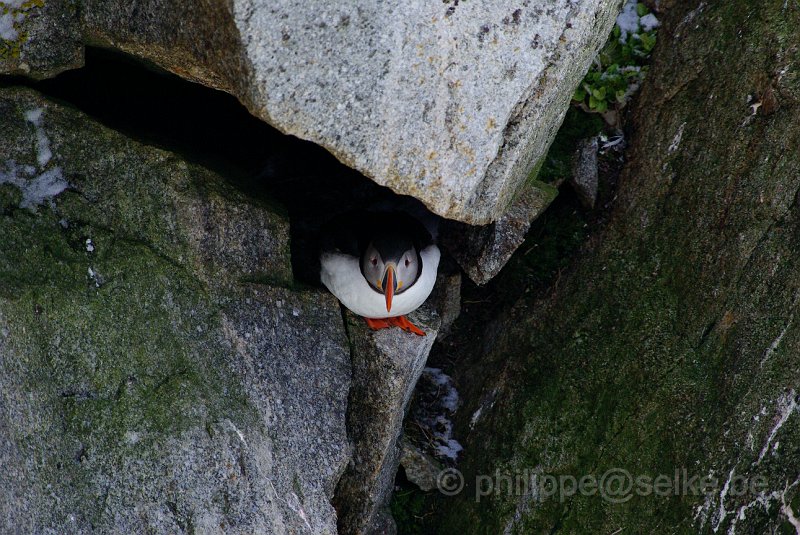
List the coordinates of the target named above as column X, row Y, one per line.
column 44, row 154
column 676, row 141
column 7, row 30
column 35, row 188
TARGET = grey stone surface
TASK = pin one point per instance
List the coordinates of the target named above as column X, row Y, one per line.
column 145, row 385
column 584, row 172
column 383, row 524
column 420, row 468
column 291, row 357
column 42, row 40
column 446, row 298
column 453, row 103
column 386, row 366
column 199, row 41
column 483, row 251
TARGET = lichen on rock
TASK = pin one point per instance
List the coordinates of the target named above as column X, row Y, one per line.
column 39, row 38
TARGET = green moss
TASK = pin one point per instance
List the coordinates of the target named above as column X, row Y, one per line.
column 648, row 355
column 10, row 50
column 409, row 508
column 618, row 69
column 10, row 197
column 118, row 357
column 298, row 487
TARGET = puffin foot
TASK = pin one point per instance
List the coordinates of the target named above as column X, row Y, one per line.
column 407, row 326
column 377, row 324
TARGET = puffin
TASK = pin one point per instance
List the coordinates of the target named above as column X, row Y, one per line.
column 380, row 265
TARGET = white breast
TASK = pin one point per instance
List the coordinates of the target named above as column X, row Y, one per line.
column 341, row 274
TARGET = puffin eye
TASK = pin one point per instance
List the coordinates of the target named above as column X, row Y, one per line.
column 407, row 262
column 374, row 261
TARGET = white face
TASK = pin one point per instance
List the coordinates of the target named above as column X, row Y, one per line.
column 375, row 268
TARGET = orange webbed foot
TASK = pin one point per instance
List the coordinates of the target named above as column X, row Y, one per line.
column 377, row 324
column 403, row 323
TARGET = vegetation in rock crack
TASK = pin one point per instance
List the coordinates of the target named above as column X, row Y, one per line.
column 621, row 65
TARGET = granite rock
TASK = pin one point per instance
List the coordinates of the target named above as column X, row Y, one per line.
column 454, row 103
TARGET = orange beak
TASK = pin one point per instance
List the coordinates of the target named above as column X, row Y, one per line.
column 389, row 287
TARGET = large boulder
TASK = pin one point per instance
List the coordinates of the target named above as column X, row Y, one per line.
column 452, row 102
column 663, row 368
column 158, row 371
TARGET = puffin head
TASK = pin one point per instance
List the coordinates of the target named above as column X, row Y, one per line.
column 391, row 264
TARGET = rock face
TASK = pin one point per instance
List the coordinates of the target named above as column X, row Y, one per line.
column 420, row 468
column 672, row 348
column 386, row 367
column 39, row 38
column 483, row 251
column 454, row 103
column 150, row 379
column 584, row 172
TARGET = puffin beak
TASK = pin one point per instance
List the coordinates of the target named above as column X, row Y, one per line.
column 389, row 286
